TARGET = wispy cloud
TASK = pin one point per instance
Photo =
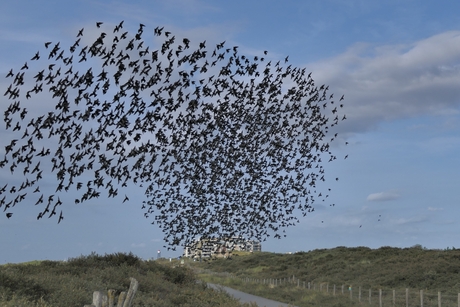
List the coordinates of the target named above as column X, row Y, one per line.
column 383, row 83
column 383, row 196
column 411, row 220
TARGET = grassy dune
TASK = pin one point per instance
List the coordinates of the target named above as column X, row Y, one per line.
column 165, row 283
column 385, row 269
column 71, row 283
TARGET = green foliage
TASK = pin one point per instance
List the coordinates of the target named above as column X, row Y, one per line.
column 385, row 268
column 116, row 259
column 72, row 283
column 13, row 285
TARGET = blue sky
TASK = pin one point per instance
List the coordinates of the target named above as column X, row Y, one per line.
column 396, row 62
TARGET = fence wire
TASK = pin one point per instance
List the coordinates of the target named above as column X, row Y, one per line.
column 372, row 297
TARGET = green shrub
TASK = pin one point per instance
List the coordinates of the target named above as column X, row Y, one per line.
column 384, row 268
column 72, row 283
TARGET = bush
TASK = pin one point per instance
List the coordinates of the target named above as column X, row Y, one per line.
column 72, row 283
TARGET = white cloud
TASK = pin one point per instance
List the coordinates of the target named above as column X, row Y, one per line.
column 383, row 196
column 383, row 83
column 435, row 209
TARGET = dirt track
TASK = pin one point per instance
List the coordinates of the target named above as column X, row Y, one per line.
column 247, row 298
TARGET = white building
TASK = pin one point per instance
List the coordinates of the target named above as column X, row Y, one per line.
column 206, row 248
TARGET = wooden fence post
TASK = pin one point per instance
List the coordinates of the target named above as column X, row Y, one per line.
column 370, row 294
column 97, row 299
column 111, row 296
column 359, row 294
column 102, row 300
column 124, row 299
column 121, row 299
column 131, row 292
column 407, row 297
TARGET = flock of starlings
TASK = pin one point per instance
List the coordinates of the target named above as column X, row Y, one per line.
column 222, row 143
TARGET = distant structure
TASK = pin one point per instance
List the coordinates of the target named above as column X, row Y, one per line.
column 248, row 246
column 220, row 247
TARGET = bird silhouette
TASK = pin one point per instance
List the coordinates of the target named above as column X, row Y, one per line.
column 61, row 217
column 216, row 140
